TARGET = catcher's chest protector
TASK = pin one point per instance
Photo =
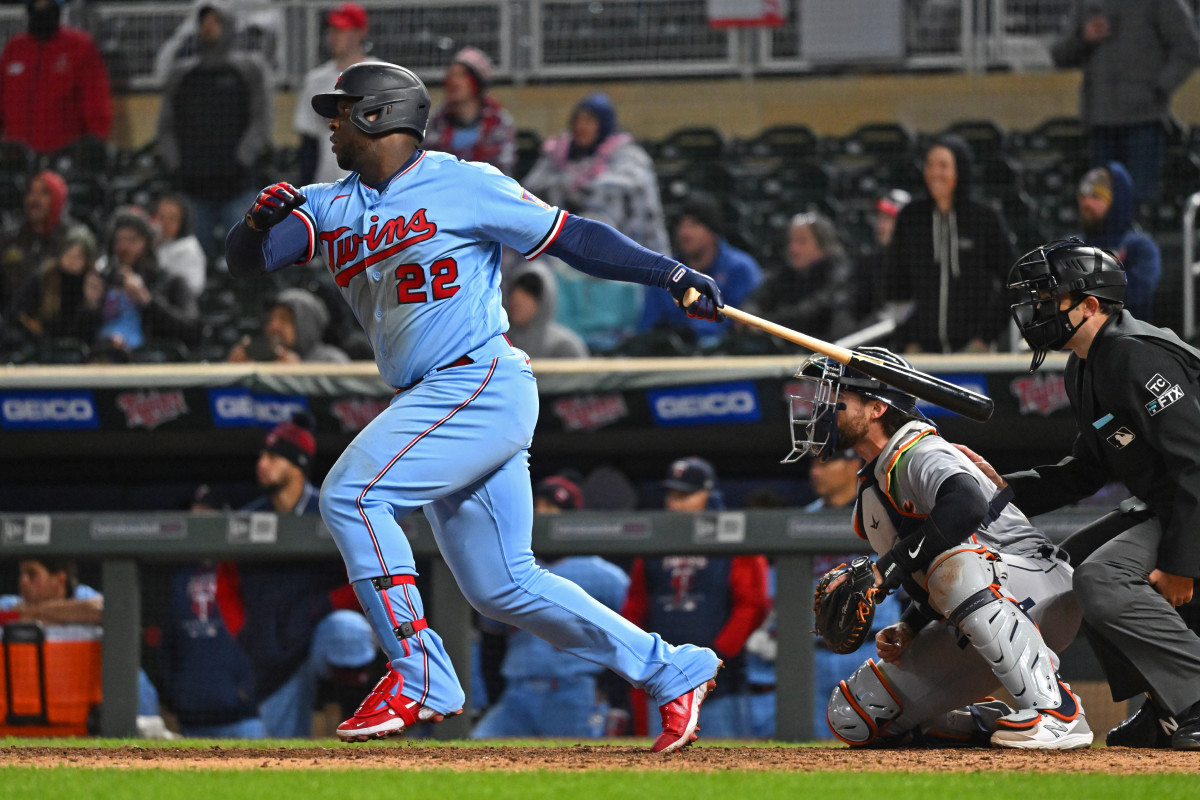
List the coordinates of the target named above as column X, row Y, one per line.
column 884, row 511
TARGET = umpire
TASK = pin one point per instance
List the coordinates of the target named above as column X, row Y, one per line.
column 1135, row 393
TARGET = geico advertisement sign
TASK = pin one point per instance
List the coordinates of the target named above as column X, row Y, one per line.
column 241, row 407
column 48, row 410
column 717, row 403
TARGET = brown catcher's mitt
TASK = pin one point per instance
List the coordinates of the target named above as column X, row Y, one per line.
column 844, row 613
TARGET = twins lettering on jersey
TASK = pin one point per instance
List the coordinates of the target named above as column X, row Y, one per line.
column 349, row 253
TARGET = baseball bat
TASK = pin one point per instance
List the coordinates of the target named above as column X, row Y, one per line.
column 919, row 384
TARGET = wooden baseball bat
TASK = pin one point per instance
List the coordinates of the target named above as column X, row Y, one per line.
column 919, row 384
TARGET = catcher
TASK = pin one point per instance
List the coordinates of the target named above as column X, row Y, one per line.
column 991, row 594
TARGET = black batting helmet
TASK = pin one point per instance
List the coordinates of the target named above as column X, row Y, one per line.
column 395, row 93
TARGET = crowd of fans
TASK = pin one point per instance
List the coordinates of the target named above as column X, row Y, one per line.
column 785, row 230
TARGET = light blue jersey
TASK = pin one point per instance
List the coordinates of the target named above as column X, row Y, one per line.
column 419, row 261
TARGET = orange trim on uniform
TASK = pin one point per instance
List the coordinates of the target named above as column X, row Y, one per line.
column 887, row 687
column 849, row 696
column 1054, row 711
column 901, row 450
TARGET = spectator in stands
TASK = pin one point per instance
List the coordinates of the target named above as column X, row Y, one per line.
column 814, row 291
column 713, row 601
column 64, row 300
column 50, row 593
column 548, row 692
column 950, row 256
column 1106, row 216
column 596, row 170
column 179, row 251
column 293, row 331
column 37, row 238
column 700, row 243
column 214, row 126
column 141, row 300
column 871, row 293
column 54, row 88
column 835, row 480
column 531, row 301
column 1134, row 55
column 470, row 123
column 346, row 36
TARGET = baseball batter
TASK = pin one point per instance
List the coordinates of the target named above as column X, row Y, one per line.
column 991, row 595
column 413, row 240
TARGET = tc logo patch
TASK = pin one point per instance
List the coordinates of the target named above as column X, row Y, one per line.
column 1121, row 438
column 1157, row 385
column 1165, row 399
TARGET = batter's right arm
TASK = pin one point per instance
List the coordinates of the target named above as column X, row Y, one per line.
column 270, row 236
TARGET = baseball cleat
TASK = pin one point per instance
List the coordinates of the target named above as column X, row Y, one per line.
column 1062, row 728
column 681, row 719
column 386, row 713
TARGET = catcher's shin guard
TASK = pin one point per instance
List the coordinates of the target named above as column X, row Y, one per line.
column 862, row 707
column 964, row 581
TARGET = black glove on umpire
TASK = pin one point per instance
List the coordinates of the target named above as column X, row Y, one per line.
column 681, row 279
column 273, row 205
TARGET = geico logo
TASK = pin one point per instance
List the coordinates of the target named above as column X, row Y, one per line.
column 718, row 404
column 53, row 409
column 275, row 412
column 236, row 406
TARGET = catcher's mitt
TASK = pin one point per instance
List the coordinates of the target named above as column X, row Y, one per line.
column 844, row 614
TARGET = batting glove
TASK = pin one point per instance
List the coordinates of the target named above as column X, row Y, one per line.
column 273, row 205
column 709, row 302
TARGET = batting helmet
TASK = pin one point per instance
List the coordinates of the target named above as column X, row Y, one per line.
column 396, row 94
column 1043, row 276
column 815, row 400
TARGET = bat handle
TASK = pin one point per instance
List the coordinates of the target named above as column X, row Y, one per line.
column 689, row 297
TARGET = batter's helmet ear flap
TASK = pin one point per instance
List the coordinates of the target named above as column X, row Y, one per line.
column 387, row 98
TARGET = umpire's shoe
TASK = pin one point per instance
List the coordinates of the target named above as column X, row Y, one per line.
column 681, row 718
column 1187, row 735
column 386, row 712
column 1149, row 727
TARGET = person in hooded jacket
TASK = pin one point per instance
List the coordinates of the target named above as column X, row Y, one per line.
column 949, row 254
column 37, row 238
column 63, row 300
column 293, row 331
column 531, row 301
column 1106, row 201
column 213, row 155
column 597, row 170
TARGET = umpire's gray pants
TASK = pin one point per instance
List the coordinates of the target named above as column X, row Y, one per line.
column 1140, row 640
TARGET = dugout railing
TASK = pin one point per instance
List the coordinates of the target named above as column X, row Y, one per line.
column 126, row 545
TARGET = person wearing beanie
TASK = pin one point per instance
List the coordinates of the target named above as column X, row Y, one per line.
column 597, row 170
column 546, row 691
column 470, row 123
column 1106, row 206
column 346, row 37
column 718, row 601
column 37, row 237
column 701, row 244
column 54, row 87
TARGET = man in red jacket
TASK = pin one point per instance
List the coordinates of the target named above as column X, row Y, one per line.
column 54, row 86
column 717, row 601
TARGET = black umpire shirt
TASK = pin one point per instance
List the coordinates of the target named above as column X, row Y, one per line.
column 1136, row 400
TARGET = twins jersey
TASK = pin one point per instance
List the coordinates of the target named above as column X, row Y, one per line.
column 902, row 487
column 419, row 260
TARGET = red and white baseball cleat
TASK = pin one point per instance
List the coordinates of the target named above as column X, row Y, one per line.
column 681, row 718
column 386, row 712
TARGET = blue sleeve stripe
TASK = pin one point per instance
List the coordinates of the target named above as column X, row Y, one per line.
column 550, row 236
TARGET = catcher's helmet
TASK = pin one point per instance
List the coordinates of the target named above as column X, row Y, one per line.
column 1043, row 276
column 814, row 400
column 395, row 93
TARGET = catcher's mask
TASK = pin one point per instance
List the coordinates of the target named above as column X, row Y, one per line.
column 814, row 401
column 1042, row 277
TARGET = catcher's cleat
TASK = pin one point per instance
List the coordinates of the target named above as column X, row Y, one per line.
column 386, row 712
column 1149, row 727
column 681, row 718
column 1062, row 728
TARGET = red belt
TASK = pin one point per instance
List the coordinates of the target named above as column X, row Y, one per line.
column 461, row 362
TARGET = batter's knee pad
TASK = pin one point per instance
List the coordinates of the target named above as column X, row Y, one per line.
column 964, row 585
column 393, row 607
column 862, row 707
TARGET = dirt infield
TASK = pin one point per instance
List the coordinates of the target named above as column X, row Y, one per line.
column 580, row 757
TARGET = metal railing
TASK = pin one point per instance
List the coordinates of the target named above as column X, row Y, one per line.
column 1190, row 267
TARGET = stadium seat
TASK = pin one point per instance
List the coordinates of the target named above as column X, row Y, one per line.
column 697, row 145
column 985, row 138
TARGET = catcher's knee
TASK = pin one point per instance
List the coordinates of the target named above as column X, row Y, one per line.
column 958, row 574
column 862, row 706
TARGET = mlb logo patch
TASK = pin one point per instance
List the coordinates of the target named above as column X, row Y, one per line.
column 1157, row 385
column 1121, row 438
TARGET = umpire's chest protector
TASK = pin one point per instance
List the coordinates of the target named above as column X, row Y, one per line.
column 883, row 511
